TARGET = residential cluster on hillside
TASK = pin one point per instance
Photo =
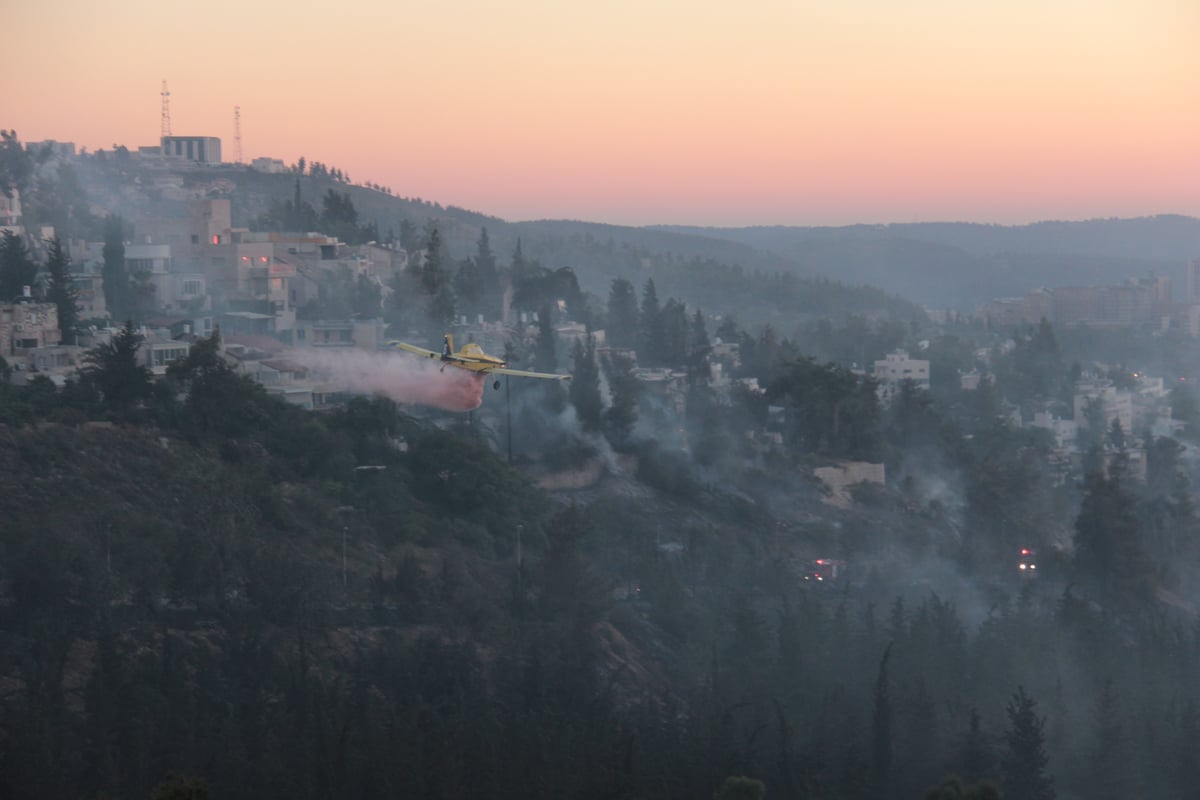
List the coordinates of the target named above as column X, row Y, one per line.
column 198, row 272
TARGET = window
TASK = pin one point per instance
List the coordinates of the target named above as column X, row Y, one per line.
column 161, row 358
column 191, row 287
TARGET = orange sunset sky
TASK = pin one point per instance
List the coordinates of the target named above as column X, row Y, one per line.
column 653, row 111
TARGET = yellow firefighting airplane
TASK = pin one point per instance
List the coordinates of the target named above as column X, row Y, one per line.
column 471, row 357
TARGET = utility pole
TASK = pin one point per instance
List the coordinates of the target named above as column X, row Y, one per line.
column 166, row 110
column 237, row 134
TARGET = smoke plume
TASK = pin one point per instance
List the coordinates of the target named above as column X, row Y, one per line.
column 402, row 377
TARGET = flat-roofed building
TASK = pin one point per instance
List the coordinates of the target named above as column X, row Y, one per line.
column 201, row 149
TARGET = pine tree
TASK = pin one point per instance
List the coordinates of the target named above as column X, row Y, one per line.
column 622, row 329
column 1023, row 763
column 881, row 732
column 114, row 368
column 545, row 351
column 1107, row 772
column 488, row 276
column 621, row 416
column 1108, row 545
column 17, row 268
column 698, row 348
column 114, row 273
column 432, row 272
column 16, row 164
column 545, row 359
column 585, row 385
column 674, row 334
column 975, row 759
column 61, row 290
column 650, row 328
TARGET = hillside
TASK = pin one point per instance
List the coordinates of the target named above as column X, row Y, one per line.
column 963, row 265
column 703, row 271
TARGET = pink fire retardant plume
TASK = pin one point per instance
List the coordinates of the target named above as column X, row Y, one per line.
column 403, row 377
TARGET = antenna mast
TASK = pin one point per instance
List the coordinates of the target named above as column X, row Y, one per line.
column 166, row 110
column 237, row 134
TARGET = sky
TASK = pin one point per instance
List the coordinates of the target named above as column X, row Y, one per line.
column 639, row 112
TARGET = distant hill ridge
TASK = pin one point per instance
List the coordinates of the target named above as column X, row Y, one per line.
column 937, row 264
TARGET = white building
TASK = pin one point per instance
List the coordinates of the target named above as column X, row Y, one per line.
column 1116, row 403
column 897, row 367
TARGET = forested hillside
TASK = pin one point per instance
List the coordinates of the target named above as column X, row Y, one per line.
column 963, row 266
column 202, row 582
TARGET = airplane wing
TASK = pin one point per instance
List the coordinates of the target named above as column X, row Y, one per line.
column 412, row 348
column 520, row 373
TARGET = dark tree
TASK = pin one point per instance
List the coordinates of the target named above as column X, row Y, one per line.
column 650, row 327
column 114, row 368
column 830, row 409
column 61, row 291
column 953, row 789
column 443, row 307
column 430, row 270
column 16, row 164
column 368, row 297
column 218, row 398
column 698, row 347
column 881, row 732
column 488, row 274
column 178, row 787
column 1023, row 762
column 621, row 329
column 674, row 332
column 545, row 351
column 1109, row 553
column 467, row 287
column 520, row 269
column 585, row 385
column 622, row 413
column 1108, row 757
column 410, row 238
column 17, row 268
column 974, row 761
column 114, row 273
column 339, row 217
column 740, row 788
column 545, row 359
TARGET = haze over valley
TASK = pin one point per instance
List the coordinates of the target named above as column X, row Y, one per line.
column 875, row 474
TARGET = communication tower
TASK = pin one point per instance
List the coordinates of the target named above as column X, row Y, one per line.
column 237, row 134
column 166, row 110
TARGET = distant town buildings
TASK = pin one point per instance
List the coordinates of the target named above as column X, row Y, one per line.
column 1137, row 303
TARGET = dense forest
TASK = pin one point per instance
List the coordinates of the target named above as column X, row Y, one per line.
column 205, row 587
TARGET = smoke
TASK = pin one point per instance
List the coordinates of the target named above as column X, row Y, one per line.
column 402, row 377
